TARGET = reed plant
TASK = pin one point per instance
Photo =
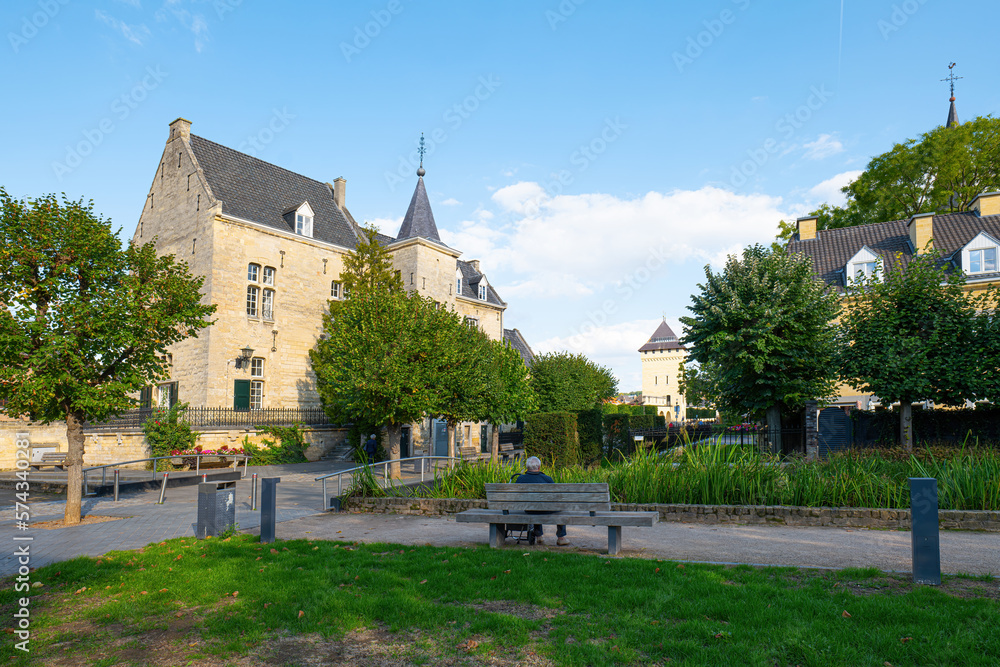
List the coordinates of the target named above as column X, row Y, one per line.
column 721, row 474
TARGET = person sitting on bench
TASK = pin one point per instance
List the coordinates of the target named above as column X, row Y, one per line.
column 534, row 475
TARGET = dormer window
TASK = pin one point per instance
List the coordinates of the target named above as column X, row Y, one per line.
column 864, row 270
column 983, row 261
column 482, row 292
column 304, row 220
column 458, row 282
column 484, row 288
column 865, row 265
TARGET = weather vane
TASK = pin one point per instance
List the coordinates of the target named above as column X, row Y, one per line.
column 951, row 78
column 421, row 150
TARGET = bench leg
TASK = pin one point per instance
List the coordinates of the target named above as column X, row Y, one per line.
column 496, row 536
column 614, row 540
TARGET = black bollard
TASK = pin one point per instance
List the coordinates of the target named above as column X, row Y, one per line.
column 268, row 510
column 924, row 535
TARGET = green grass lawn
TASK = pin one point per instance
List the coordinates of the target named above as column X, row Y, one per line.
column 237, row 602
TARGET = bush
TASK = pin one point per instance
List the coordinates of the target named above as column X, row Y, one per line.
column 649, row 410
column 552, row 437
column 165, row 432
column 636, row 410
column 610, row 408
column 701, row 413
column 641, row 422
column 588, row 425
column 289, row 448
column 617, row 440
column 659, row 421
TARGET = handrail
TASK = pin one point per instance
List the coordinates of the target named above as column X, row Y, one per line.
column 155, row 459
column 385, row 472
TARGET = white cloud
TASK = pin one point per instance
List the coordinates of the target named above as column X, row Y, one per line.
column 193, row 22
column 829, row 190
column 824, row 146
column 450, row 201
column 387, row 226
column 135, row 33
column 615, row 346
column 574, row 245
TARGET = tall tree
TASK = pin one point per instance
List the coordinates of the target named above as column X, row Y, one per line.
column 509, row 396
column 84, row 323
column 915, row 334
column 570, row 382
column 368, row 268
column 942, row 171
column 764, row 324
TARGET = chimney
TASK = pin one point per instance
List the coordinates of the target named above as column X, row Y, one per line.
column 180, row 129
column 807, row 227
column 921, row 228
column 987, row 203
column 339, row 191
column 475, row 265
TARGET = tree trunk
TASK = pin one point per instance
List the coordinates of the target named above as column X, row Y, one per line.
column 74, row 467
column 774, row 428
column 451, row 438
column 495, row 443
column 394, row 432
column 906, row 424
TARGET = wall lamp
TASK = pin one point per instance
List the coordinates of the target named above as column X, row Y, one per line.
column 243, row 360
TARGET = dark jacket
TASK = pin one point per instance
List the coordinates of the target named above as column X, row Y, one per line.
column 536, row 477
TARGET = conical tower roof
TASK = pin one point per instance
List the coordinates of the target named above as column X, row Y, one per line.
column 663, row 338
column 419, row 219
column 952, row 115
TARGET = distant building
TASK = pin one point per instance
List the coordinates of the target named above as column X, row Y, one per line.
column 661, row 358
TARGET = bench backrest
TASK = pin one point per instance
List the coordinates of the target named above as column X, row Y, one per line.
column 52, row 456
column 548, row 497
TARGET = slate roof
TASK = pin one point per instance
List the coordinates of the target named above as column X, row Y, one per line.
column 663, row 338
column 419, row 218
column 261, row 192
column 470, row 284
column 833, row 248
column 952, row 115
column 517, row 341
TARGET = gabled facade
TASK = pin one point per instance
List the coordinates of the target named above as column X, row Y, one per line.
column 968, row 241
column 271, row 244
column 662, row 357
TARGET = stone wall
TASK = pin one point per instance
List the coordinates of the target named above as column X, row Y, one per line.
column 842, row 517
column 103, row 447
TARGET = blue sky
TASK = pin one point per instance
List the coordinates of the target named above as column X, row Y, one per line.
column 595, row 156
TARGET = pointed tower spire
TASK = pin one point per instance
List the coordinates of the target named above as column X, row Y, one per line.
column 952, row 113
column 663, row 338
column 419, row 218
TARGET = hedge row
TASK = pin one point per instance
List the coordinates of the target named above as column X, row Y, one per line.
column 552, row 437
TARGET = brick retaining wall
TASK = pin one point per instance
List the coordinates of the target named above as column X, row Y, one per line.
column 728, row 514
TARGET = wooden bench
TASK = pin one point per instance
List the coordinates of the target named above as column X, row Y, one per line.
column 565, row 504
column 469, row 453
column 507, row 451
column 53, row 459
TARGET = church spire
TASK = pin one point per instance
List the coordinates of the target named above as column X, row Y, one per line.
column 419, row 218
column 952, row 113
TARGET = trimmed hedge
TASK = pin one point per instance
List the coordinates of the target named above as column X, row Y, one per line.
column 701, row 413
column 649, row 410
column 617, row 441
column 588, row 426
column 642, row 421
column 552, row 437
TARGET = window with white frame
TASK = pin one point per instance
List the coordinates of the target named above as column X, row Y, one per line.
column 256, row 394
column 253, row 272
column 336, row 289
column 257, row 367
column 253, row 292
column 458, row 284
column 472, row 322
column 482, row 292
column 983, row 260
column 267, row 304
column 304, row 220
column 268, row 276
column 864, row 270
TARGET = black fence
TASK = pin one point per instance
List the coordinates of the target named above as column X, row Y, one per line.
column 515, row 438
column 217, row 418
column 785, row 440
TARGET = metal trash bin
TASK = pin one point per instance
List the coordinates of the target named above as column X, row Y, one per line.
column 216, row 508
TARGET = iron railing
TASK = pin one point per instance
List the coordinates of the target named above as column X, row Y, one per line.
column 217, row 417
column 156, row 459
column 420, row 462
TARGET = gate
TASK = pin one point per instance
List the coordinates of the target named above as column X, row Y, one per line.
column 835, row 431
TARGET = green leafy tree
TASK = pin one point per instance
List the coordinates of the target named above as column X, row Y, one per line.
column 84, row 322
column 166, row 432
column 509, row 396
column 698, row 384
column 570, row 382
column 942, row 171
column 368, row 268
column 916, row 334
column 764, row 324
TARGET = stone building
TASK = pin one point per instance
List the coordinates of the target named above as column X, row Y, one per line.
column 271, row 244
column 662, row 357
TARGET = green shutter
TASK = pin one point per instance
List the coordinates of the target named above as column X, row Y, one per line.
column 241, row 395
column 173, row 394
column 146, row 397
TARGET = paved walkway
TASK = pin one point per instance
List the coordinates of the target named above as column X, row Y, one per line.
column 300, row 516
